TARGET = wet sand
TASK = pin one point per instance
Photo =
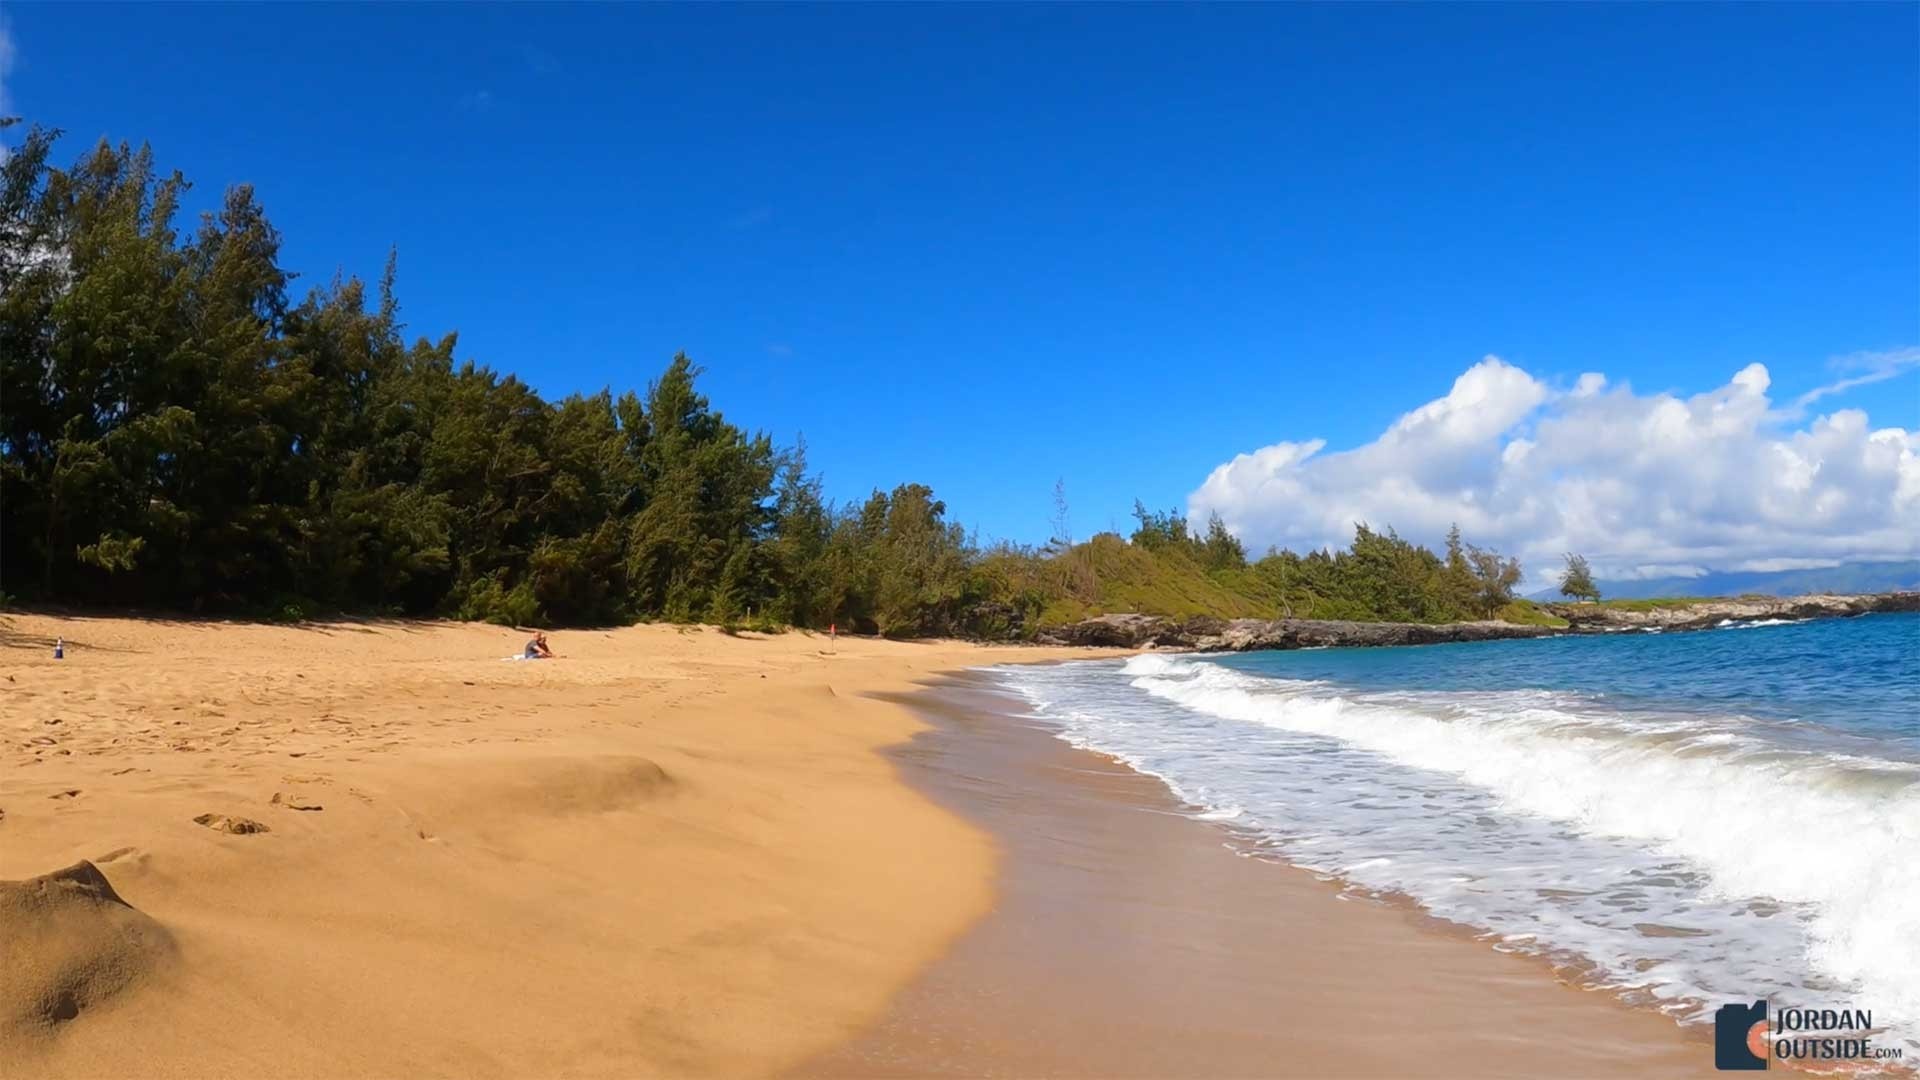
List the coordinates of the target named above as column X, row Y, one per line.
column 1127, row 939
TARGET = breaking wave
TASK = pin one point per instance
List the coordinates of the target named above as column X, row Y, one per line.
column 1680, row 857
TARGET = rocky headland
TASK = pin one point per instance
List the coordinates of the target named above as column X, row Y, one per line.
column 1202, row 633
column 1709, row 613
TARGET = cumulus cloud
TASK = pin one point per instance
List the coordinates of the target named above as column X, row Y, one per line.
column 1643, row 485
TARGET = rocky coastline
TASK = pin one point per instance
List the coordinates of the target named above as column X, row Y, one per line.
column 1203, row 633
column 1709, row 613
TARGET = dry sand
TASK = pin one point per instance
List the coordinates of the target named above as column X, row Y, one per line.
column 380, row 850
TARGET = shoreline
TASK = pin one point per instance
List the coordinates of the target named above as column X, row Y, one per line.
column 1128, row 939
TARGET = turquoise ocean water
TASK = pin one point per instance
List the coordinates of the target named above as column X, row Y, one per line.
column 1687, row 819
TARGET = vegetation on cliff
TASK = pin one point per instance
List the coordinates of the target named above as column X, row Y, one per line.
column 1164, row 570
column 1576, row 581
column 177, row 431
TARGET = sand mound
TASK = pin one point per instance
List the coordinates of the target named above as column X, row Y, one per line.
column 586, row 785
column 67, row 942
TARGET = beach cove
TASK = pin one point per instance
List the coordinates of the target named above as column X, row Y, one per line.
column 676, row 852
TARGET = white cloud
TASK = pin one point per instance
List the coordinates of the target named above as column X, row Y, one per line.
column 1872, row 367
column 1643, row 485
column 1768, row 566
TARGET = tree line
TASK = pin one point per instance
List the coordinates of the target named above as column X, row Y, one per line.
column 178, row 431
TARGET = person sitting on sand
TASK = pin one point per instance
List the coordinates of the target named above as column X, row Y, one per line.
column 537, row 648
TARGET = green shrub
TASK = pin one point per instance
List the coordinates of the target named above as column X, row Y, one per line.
column 489, row 601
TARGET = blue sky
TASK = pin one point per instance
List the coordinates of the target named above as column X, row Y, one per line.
column 985, row 247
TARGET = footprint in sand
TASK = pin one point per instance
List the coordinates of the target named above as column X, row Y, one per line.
column 295, row 802
column 70, row 793
column 238, row 826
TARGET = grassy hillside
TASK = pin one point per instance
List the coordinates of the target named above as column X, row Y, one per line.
column 1384, row 579
column 1655, row 603
column 1652, row 603
column 1130, row 578
column 1527, row 613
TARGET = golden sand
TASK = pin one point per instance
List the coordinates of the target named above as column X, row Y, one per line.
column 380, row 849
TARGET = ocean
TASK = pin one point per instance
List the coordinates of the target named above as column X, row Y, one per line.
column 1686, row 819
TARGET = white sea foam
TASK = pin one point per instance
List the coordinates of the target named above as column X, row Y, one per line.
column 1679, row 856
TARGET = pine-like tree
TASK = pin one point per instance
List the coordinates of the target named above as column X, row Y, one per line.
column 1576, row 581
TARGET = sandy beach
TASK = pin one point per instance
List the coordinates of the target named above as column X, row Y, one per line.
column 668, row 852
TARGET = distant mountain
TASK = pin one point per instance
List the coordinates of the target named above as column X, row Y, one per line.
column 1851, row 578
